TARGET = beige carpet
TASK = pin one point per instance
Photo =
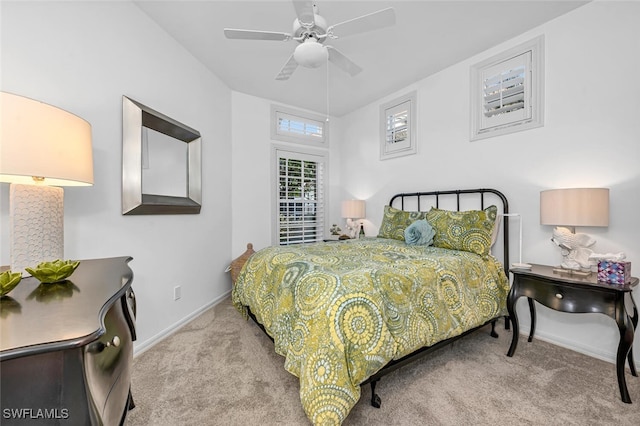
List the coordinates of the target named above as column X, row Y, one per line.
column 222, row 370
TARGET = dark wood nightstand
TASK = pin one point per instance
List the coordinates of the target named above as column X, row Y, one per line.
column 566, row 292
column 335, row 238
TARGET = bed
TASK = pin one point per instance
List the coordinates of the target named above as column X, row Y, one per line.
column 344, row 314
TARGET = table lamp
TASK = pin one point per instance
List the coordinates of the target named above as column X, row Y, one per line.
column 571, row 207
column 42, row 147
column 353, row 210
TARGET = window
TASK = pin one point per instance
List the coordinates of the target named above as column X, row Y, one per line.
column 507, row 93
column 299, row 193
column 296, row 126
column 397, row 127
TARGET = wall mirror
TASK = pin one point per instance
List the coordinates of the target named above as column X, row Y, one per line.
column 161, row 163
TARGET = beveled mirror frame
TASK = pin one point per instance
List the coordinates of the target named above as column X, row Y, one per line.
column 135, row 117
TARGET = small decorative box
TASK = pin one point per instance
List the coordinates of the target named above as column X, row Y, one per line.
column 614, row 272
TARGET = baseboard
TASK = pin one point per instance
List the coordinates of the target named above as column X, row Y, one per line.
column 149, row 343
column 608, row 356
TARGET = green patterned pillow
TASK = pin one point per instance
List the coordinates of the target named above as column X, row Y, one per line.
column 469, row 230
column 395, row 221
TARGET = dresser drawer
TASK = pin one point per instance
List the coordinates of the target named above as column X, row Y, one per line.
column 107, row 365
column 565, row 297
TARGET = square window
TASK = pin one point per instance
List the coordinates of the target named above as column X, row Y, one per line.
column 397, row 127
column 507, row 91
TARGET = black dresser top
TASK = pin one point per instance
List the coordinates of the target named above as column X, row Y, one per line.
column 37, row 317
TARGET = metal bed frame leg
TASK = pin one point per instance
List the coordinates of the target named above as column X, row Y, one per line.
column 493, row 329
column 130, row 404
column 375, row 399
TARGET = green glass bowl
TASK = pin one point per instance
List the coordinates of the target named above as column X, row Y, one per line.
column 8, row 281
column 53, row 272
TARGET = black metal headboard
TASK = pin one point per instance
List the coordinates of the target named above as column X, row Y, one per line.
column 459, row 198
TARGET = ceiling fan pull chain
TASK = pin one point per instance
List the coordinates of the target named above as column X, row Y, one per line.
column 327, row 88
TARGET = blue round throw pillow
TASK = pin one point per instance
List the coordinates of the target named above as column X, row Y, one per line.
column 419, row 233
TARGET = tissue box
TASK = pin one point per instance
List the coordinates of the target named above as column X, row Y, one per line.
column 614, row 272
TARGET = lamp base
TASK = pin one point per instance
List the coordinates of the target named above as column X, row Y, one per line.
column 36, row 215
column 521, row 265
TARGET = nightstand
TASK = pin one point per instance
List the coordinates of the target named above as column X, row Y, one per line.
column 335, row 238
column 567, row 292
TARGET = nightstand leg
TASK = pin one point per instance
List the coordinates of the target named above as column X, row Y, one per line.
column 634, row 320
column 626, row 339
column 511, row 304
column 532, row 311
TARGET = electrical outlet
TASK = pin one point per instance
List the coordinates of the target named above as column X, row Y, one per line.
column 177, row 292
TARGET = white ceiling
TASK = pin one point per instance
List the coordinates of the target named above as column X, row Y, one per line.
column 428, row 37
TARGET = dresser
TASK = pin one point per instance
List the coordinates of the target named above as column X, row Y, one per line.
column 66, row 349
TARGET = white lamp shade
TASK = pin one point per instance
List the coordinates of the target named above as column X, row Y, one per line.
column 40, row 140
column 353, row 209
column 575, row 207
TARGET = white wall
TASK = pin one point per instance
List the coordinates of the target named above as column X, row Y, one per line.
column 590, row 138
column 251, row 171
column 82, row 57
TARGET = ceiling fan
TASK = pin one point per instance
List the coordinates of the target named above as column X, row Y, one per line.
column 311, row 31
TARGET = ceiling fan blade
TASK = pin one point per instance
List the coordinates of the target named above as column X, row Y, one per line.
column 304, row 12
column 342, row 61
column 373, row 21
column 255, row 35
column 287, row 69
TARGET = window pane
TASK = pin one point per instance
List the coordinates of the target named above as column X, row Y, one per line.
column 300, row 127
column 300, row 218
column 504, row 92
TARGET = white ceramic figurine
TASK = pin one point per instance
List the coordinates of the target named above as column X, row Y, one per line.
column 574, row 248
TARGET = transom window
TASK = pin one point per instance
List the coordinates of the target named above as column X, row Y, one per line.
column 297, row 126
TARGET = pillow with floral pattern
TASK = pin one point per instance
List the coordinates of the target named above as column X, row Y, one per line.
column 395, row 221
column 469, row 230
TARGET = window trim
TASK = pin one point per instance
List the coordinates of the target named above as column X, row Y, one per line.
column 535, row 96
column 278, row 110
column 385, row 109
column 302, row 151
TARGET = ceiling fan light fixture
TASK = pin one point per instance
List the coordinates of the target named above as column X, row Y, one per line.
column 310, row 54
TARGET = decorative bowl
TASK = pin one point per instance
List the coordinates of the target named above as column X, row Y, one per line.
column 8, row 281
column 53, row 272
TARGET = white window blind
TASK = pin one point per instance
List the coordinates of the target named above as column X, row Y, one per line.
column 506, row 91
column 397, row 124
column 288, row 124
column 300, row 197
column 298, row 126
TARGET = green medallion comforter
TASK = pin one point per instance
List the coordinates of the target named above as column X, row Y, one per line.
column 340, row 311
